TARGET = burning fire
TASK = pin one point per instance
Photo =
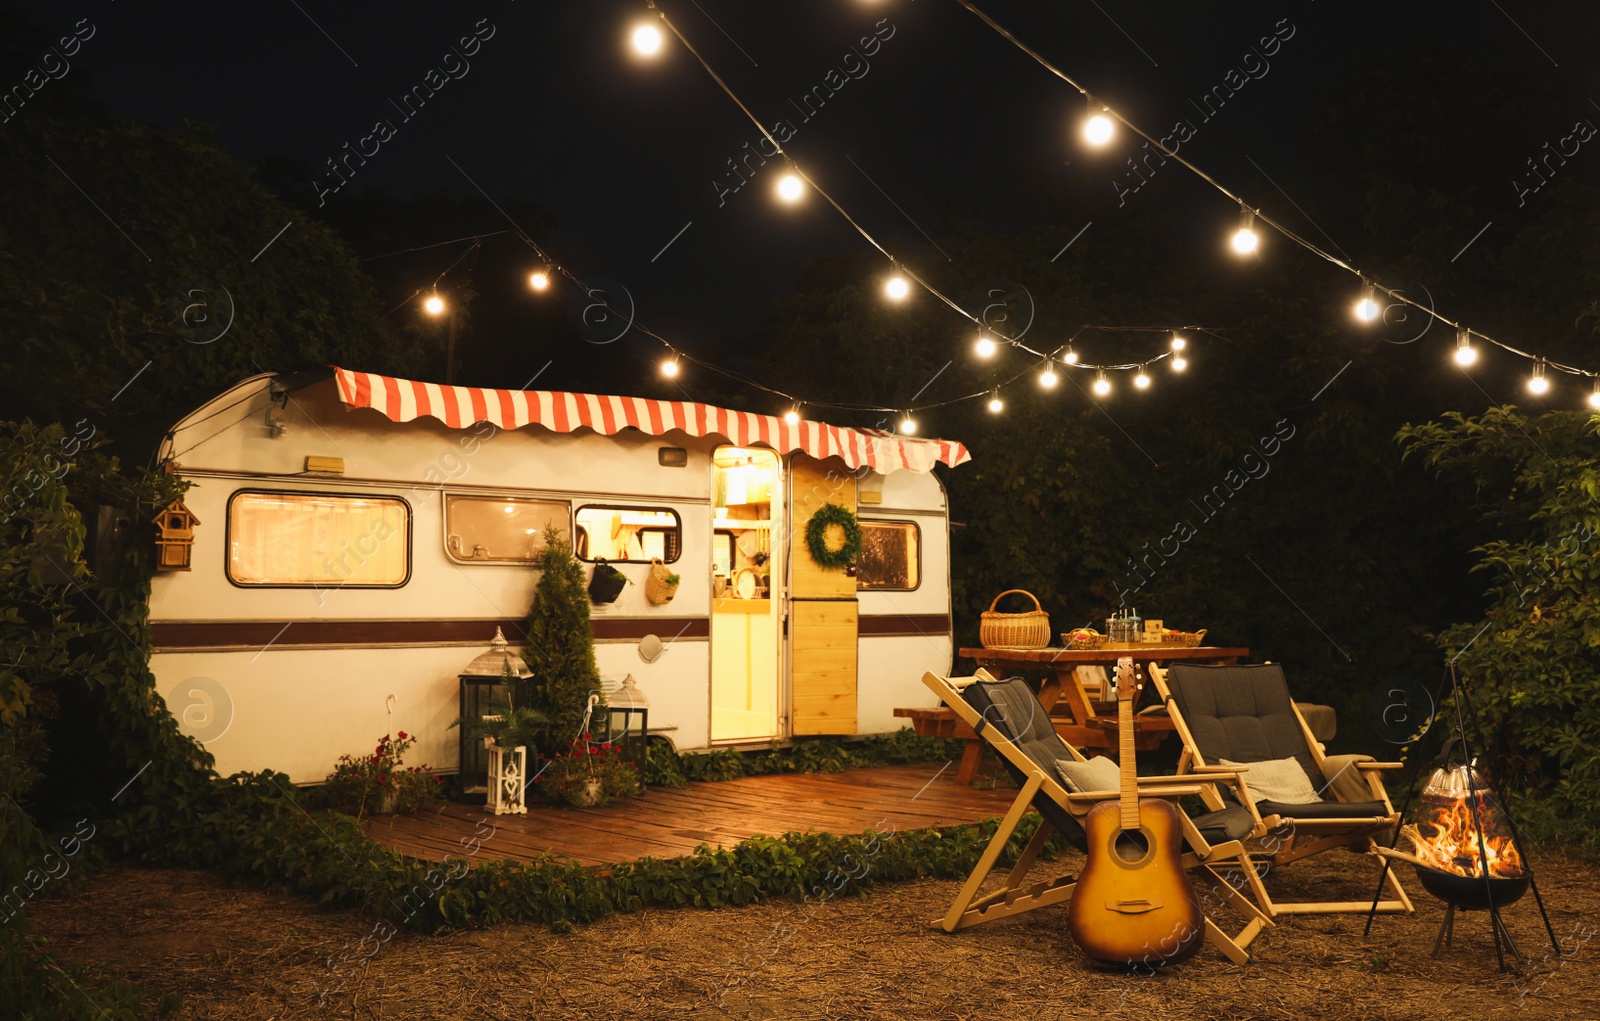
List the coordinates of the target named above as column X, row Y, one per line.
column 1448, row 841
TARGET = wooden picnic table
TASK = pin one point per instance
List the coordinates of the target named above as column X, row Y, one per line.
column 1085, row 723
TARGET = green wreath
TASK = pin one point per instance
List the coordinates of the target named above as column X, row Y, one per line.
column 817, row 536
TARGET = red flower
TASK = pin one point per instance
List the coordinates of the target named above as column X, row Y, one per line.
column 383, row 778
column 402, row 735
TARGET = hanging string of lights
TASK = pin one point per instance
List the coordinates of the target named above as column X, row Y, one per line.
column 1099, row 127
column 648, row 41
column 541, row 278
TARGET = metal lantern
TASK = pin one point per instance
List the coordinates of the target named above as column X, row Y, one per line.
column 479, row 680
column 628, row 723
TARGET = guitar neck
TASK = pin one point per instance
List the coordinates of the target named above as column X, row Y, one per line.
column 1130, row 772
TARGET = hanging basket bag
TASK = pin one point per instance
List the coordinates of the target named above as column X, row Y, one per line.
column 661, row 585
column 1030, row 630
column 606, row 584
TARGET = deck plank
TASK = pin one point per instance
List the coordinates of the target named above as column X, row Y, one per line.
column 673, row 821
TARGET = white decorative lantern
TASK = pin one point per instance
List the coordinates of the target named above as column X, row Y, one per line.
column 508, row 772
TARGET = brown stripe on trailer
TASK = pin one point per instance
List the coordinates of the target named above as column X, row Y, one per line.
column 243, row 634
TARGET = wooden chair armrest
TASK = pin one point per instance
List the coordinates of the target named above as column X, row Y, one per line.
column 1219, row 769
column 1379, row 765
column 1189, row 779
column 1098, row 797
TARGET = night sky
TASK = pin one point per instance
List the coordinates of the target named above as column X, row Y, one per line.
column 941, row 121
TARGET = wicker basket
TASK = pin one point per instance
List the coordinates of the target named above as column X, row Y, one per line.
column 1085, row 639
column 1184, row 639
column 657, row 588
column 1030, row 630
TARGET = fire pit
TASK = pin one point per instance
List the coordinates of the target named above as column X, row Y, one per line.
column 1463, row 852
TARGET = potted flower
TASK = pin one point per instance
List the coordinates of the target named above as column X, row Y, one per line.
column 376, row 783
column 588, row 774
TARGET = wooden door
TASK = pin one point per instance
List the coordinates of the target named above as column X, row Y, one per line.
column 823, row 616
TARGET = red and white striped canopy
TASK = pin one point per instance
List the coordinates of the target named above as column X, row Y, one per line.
column 459, row 407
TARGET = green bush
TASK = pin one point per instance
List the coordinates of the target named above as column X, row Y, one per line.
column 808, row 755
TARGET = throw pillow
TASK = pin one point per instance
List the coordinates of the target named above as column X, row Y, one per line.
column 1098, row 774
column 1280, row 780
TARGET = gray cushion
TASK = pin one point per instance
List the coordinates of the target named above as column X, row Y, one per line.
column 1241, row 713
column 1232, row 823
column 1014, row 710
column 1098, row 774
column 1279, row 780
column 1323, row 809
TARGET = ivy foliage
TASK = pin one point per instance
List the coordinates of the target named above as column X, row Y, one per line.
column 812, row 755
column 1531, row 664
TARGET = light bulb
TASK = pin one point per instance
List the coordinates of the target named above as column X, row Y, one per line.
column 1537, row 384
column 908, row 425
column 1594, row 398
column 1178, row 343
column 1142, row 380
column 985, row 346
column 1099, row 128
column 1245, row 239
column 669, row 367
column 434, row 305
column 1048, row 377
column 1466, row 354
column 1179, row 363
column 1367, row 308
column 1102, row 385
column 1071, row 357
column 792, row 416
column 897, row 288
column 790, row 187
column 539, row 280
column 996, row 405
column 646, row 40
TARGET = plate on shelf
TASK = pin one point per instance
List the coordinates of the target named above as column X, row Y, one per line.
column 745, row 587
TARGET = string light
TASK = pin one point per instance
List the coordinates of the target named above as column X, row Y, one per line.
column 1178, row 342
column 539, row 280
column 1142, row 380
column 646, row 40
column 985, row 347
column 1245, row 239
column 1594, row 396
column 908, row 425
column 1179, row 363
column 1048, row 378
column 792, row 416
column 1099, row 127
column 1102, row 385
column 1466, row 354
column 1537, row 384
column 996, row 405
column 896, row 288
column 791, row 187
column 1071, row 356
column 434, row 305
column 669, row 367
column 1367, row 308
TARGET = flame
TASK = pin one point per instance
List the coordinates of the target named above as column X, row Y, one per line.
column 1448, row 841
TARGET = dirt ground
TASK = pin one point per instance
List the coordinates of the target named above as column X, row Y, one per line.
column 235, row 953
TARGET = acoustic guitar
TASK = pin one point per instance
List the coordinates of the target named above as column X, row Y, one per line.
column 1134, row 904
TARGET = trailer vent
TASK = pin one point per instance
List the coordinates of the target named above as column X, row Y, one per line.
column 324, row 465
column 672, row 457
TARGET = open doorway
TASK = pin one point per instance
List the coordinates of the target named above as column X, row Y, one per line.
column 745, row 606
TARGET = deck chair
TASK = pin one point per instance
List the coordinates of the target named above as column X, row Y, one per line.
column 1008, row 715
column 1244, row 714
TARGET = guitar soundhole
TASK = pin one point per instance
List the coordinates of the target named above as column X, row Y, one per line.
column 1131, row 846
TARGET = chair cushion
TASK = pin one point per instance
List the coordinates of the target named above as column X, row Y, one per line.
column 1011, row 707
column 1323, row 809
column 1233, row 823
column 1241, row 713
column 1277, row 780
column 1098, row 774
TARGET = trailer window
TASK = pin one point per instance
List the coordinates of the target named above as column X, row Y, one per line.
column 321, row 539
column 628, row 533
column 499, row 529
column 891, row 555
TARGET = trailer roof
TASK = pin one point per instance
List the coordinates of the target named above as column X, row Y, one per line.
column 402, row 400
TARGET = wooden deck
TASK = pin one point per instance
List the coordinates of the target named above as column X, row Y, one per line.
column 668, row 822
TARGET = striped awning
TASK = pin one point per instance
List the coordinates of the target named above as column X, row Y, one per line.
column 459, row 407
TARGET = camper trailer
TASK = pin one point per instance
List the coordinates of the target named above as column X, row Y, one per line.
column 357, row 540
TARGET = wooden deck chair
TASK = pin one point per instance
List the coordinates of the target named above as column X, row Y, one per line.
column 1243, row 714
column 1008, row 715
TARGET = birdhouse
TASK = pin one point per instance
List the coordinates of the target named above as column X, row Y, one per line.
column 174, row 537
